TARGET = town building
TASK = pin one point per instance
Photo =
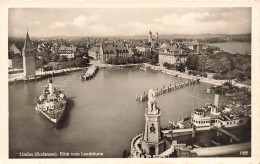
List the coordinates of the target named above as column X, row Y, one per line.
column 144, row 49
column 81, row 48
column 111, row 51
column 172, row 55
column 94, row 53
column 28, row 54
column 195, row 47
column 10, row 63
column 14, row 50
column 68, row 51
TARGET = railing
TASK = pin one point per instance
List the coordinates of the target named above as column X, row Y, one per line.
column 144, row 96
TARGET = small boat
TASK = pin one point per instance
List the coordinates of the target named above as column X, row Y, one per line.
column 52, row 103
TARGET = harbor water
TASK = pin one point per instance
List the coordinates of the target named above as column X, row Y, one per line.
column 102, row 115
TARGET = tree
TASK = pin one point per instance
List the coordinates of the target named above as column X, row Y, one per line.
column 202, row 60
column 115, row 61
column 239, row 76
column 10, row 55
column 42, row 61
column 225, row 63
column 245, row 67
column 63, row 59
column 55, row 58
column 132, row 59
column 192, row 62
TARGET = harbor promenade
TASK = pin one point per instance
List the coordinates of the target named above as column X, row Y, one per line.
column 41, row 74
column 185, row 76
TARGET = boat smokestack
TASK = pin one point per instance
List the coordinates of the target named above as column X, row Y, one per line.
column 51, row 87
column 216, row 100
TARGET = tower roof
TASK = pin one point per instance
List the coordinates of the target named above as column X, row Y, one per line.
column 27, row 43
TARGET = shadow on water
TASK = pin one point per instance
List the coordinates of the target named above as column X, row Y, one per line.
column 64, row 122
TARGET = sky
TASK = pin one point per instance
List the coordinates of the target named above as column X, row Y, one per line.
column 46, row 22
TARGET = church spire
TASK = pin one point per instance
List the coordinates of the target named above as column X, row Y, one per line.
column 27, row 43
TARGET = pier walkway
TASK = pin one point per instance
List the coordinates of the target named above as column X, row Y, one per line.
column 144, row 96
column 226, row 132
column 91, row 72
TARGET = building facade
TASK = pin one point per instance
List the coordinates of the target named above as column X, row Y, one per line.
column 28, row 54
column 68, row 51
column 144, row 50
column 112, row 51
column 172, row 55
column 94, row 53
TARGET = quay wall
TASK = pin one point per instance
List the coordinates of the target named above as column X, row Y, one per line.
column 185, row 76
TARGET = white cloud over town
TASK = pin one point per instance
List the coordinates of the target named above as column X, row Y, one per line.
column 230, row 21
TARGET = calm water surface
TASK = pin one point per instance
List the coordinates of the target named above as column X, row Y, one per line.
column 102, row 115
column 234, row 47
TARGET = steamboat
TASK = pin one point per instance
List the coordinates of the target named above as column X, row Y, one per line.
column 211, row 116
column 52, row 102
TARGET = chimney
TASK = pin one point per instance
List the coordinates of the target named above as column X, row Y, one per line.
column 216, row 100
column 51, row 87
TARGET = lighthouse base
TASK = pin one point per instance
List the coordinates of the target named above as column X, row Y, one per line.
column 151, row 148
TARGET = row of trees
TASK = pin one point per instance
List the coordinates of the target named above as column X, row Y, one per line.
column 223, row 64
column 179, row 67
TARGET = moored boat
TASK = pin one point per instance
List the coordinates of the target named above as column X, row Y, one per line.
column 209, row 117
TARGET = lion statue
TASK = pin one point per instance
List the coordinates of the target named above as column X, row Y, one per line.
column 151, row 100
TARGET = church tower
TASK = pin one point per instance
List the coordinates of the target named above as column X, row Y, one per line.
column 28, row 54
column 156, row 36
column 152, row 141
column 150, row 37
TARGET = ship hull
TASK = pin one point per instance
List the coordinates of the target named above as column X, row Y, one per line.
column 188, row 131
column 54, row 120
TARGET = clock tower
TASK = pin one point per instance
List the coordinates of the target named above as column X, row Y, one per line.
column 152, row 142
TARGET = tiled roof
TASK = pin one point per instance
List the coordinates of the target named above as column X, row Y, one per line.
column 70, row 48
column 94, row 49
column 115, row 47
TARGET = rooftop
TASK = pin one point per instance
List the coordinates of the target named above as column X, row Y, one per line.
column 94, row 49
column 70, row 48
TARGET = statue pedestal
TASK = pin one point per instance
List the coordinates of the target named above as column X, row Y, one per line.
column 152, row 142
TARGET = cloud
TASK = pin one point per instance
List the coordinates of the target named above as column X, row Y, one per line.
column 82, row 21
column 58, row 25
column 193, row 23
column 35, row 22
column 206, row 22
